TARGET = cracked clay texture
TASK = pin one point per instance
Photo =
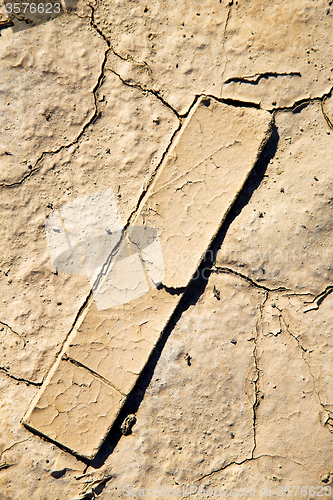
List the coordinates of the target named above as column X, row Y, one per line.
column 209, row 126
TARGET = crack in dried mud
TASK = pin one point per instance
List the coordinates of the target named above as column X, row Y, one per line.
column 14, row 444
column 303, row 102
column 94, row 487
column 246, row 460
column 319, row 299
column 12, row 330
column 255, row 79
column 303, row 351
column 256, row 401
column 64, row 357
column 129, row 58
column 228, row 270
column 6, row 465
column 194, row 290
column 19, row 379
column 230, row 4
column 156, row 93
column 77, row 317
column 236, row 103
column 149, row 91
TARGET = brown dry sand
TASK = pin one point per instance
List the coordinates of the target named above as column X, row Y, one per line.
column 166, row 262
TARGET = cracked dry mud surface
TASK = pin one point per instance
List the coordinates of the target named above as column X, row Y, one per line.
column 211, row 122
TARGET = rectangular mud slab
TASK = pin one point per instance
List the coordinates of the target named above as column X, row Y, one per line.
column 188, row 201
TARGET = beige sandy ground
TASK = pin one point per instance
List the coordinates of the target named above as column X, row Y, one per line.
column 238, row 395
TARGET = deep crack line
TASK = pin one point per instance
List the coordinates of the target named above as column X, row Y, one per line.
column 14, row 444
column 171, row 290
column 293, row 108
column 148, row 91
column 19, row 379
column 227, row 270
column 318, row 299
